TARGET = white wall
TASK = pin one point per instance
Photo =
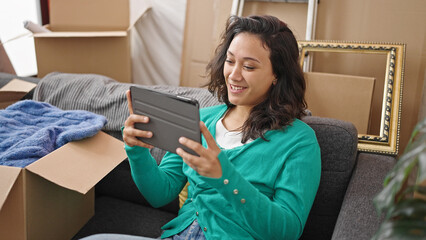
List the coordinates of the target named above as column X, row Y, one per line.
column 20, row 51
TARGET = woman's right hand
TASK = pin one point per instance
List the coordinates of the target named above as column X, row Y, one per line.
column 130, row 133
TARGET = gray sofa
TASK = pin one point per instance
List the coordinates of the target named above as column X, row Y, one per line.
column 343, row 208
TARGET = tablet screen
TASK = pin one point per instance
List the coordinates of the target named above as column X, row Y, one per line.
column 171, row 117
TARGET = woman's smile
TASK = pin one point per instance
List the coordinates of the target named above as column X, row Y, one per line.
column 236, row 89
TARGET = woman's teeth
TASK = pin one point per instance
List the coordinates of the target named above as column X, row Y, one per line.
column 236, row 87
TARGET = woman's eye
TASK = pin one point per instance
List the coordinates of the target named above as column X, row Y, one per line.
column 228, row 61
column 249, row 67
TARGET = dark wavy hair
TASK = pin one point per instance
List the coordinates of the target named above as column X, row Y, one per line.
column 286, row 99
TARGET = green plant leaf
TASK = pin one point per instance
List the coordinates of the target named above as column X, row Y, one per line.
column 422, row 166
column 419, row 129
column 386, row 198
column 415, row 147
column 398, row 230
column 405, row 216
column 399, row 174
column 414, row 209
column 405, row 162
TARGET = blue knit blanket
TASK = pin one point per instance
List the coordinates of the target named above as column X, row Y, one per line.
column 30, row 130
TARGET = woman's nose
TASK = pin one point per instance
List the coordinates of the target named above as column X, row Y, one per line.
column 235, row 74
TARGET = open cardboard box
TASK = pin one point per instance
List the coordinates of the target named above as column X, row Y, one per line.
column 89, row 37
column 14, row 91
column 53, row 197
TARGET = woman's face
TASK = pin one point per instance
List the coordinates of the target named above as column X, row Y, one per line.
column 247, row 70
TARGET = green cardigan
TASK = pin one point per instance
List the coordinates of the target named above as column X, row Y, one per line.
column 266, row 190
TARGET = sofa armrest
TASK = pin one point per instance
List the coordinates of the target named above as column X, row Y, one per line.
column 358, row 218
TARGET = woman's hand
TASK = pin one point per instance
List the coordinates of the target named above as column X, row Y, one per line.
column 207, row 164
column 130, row 132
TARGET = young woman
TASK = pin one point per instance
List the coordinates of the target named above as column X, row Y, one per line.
column 259, row 165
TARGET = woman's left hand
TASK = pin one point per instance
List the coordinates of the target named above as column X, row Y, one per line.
column 207, row 164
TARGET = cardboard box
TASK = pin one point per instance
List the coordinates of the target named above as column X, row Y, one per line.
column 14, row 91
column 53, row 197
column 89, row 37
column 339, row 96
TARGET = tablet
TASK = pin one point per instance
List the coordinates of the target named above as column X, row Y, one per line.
column 170, row 117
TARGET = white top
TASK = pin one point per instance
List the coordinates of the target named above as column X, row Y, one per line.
column 228, row 139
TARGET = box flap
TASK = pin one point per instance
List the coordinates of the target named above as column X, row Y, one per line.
column 79, row 165
column 8, row 176
column 17, row 85
column 82, row 34
column 14, row 91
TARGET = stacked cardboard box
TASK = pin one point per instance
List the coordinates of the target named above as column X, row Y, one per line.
column 89, row 37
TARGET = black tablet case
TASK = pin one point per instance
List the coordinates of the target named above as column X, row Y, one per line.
column 171, row 117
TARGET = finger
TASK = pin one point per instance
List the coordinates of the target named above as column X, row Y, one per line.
column 188, row 158
column 133, row 132
column 129, row 101
column 134, row 118
column 193, row 145
column 211, row 143
column 133, row 137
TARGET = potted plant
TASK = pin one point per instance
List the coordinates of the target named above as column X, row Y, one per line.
column 403, row 198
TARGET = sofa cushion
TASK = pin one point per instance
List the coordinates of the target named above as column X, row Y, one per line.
column 338, row 142
column 113, row 215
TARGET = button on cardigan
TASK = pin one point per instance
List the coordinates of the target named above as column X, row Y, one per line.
column 266, row 190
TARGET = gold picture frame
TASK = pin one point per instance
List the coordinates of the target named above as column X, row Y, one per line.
column 387, row 142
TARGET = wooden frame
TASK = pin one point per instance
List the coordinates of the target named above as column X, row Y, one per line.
column 387, row 142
